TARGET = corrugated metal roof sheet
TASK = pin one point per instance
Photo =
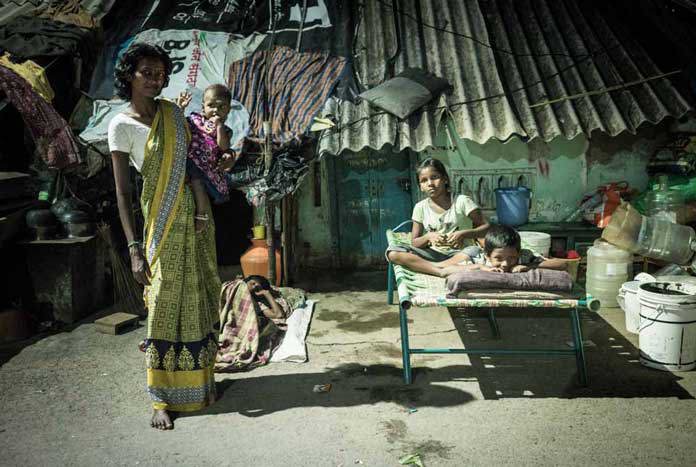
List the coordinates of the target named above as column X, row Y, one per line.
column 525, row 52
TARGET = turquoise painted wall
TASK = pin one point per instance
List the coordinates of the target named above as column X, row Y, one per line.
column 564, row 170
column 315, row 242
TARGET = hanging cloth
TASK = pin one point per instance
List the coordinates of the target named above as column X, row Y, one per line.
column 54, row 139
column 300, row 85
column 33, row 73
column 68, row 11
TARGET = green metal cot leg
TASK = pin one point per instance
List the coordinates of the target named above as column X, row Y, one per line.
column 494, row 323
column 405, row 349
column 579, row 348
column 390, row 284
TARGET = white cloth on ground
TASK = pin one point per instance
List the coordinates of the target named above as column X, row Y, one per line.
column 294, row 348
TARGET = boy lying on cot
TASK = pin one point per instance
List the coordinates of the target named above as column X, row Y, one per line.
column 502, row 252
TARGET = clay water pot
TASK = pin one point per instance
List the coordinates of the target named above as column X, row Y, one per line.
column 254, row 261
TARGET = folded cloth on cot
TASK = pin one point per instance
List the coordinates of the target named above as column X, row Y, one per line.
column 545, row 280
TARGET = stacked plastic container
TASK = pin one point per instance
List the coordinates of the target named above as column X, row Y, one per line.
column 608, row 267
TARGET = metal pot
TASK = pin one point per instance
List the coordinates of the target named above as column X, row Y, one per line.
column 40, row 218
column 75, row 217
column 83, row 229
column 44, row 232
column 67, row 205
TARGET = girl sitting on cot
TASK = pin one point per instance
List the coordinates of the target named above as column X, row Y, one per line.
column 209, row 154
column 443, row 224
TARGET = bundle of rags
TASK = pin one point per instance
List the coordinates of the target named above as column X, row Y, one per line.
column 247, row 338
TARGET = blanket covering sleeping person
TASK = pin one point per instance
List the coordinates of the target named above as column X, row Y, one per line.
column 247, row 337
column 545, row 280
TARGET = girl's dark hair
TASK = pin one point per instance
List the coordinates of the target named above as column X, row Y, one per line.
column 219, row 90
column 263, row 282
column 501, row 236
column 125, row 67
column 435, row 164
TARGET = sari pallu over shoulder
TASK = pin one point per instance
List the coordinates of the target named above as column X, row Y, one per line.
column 164, row 172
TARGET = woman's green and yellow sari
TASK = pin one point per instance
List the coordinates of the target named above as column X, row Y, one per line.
column 184, row 286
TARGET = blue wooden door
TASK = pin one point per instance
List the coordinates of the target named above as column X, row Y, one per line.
column 373, row 190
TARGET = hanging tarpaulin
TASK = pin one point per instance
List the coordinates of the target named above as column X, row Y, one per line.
column 325, row 25
column 232, row 16
column 198, row 58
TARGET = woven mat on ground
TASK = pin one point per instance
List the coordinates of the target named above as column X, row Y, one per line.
column 422, row 290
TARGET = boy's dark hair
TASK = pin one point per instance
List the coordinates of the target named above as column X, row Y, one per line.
column 263, row 282
column 501, row 236
column 433, row 164
column 125, row 67
column 219, row 90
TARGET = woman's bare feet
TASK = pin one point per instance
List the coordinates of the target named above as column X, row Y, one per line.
column 161, row 420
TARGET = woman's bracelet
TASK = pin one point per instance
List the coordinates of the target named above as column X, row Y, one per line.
column 202, row 217
column 137, row 243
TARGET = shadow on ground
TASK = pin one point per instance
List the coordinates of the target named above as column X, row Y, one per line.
column 10, row 349
column 613, row 367
column 351, row 385
column 337, row 280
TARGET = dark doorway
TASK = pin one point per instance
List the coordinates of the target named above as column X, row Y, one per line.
column 233, row 222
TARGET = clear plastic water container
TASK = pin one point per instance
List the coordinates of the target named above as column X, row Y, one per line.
column 665, row 203
column 608, row 267
column 666, row 241
column 653, row 237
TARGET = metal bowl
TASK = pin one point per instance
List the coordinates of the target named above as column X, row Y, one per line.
column 40, row 218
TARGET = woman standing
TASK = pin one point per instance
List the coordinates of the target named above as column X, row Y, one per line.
column 175, row 260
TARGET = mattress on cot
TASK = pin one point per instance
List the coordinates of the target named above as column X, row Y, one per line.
column 423, row 290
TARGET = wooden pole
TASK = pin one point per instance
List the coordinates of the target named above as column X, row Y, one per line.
column 284, row 236
column 270, row 208
column 270, row 221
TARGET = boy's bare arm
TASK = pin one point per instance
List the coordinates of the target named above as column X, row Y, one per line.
column 553, row 263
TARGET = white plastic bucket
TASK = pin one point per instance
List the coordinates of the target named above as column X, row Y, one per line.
column 667, row 335
column 628, row 301
column 538, row 242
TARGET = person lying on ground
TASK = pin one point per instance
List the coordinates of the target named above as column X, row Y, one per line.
column 443, row 224
column 252, row 318
column 502, row 252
